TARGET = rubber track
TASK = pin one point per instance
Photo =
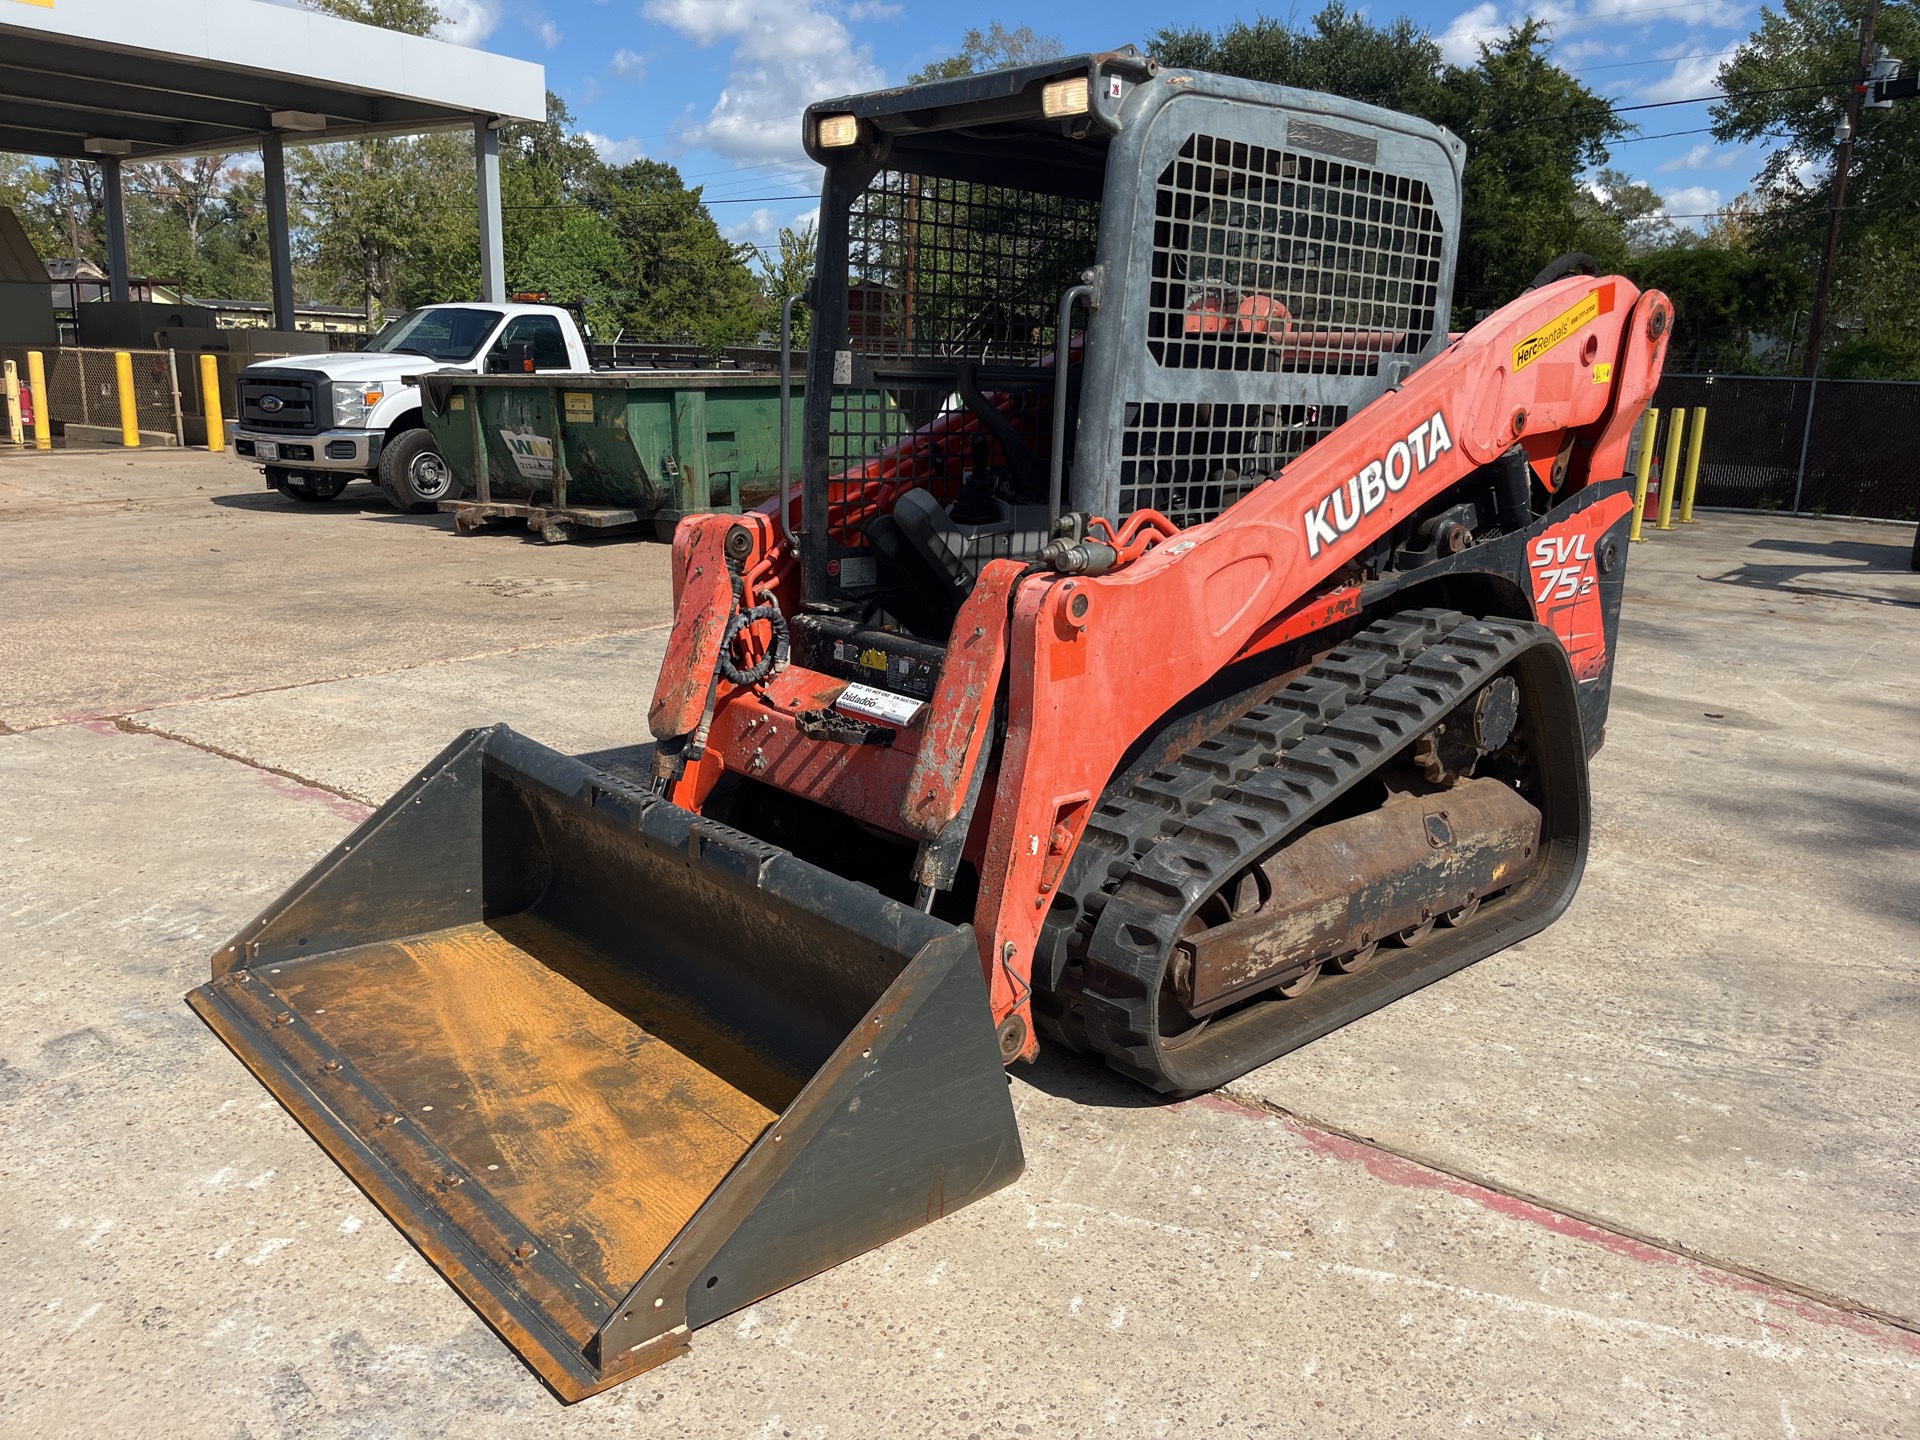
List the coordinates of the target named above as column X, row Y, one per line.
column 1160, row 847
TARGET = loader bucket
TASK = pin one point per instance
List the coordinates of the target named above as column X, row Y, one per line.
column 615, row 1069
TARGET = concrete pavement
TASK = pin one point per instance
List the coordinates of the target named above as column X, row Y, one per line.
column 1710, row 1056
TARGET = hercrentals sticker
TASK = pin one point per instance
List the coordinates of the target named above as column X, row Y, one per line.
column 1367, row 491
column 1592, row 306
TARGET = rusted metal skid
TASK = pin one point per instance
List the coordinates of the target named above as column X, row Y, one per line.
column 615, row 1069
column 1344, row 887
column 553, row 523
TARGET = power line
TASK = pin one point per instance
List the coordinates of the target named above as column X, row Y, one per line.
column 1663, row 60
column 1726, row 95
column 724, row 200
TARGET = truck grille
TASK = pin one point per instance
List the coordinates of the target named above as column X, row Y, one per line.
column 284, row 404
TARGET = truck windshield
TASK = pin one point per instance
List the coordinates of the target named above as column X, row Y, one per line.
column 448, row 333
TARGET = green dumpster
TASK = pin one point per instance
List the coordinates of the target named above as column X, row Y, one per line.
column 608, row 449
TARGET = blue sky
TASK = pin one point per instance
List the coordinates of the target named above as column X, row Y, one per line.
column 716, row 86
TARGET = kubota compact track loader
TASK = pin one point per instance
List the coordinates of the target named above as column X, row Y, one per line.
column 1175, row 645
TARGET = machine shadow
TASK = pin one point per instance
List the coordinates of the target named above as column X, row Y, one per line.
column 347, row 507
column 1085, row 1080
column 1803, row 580
column 1874, row 556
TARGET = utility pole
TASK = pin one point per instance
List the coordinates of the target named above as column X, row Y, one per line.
column 1843, row 161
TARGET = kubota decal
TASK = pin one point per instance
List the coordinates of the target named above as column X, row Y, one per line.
column 1367, row 491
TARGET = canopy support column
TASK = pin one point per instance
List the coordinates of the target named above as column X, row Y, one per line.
column 273, row 164
column 116, row 198
column 486, row 161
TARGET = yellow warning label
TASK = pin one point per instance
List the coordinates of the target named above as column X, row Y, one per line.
column 458, row 402
column 1603, row 373
column 579, row 407
column 873, row 659
column 1555, row 330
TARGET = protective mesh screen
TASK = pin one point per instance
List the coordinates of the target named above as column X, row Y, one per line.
column 1191, row 461
column 950, row 268
column 920, row 436
column 1268, row 259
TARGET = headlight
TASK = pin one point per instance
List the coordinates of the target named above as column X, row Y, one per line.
column 835, row 132
column 351, row 403
column 1064, row 97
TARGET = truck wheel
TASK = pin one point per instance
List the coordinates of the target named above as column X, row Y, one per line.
column 414, row 474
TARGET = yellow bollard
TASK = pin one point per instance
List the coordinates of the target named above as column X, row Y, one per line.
column 210, row 402
column 1670, row 467
column 42, row 401
column 1693, row 465
column 12, row 383
column 1643, row 471
column 129, row 415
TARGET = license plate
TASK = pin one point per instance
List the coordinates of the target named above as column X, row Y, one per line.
column 266, row 450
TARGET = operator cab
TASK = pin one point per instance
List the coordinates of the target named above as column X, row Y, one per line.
column 1231, row 268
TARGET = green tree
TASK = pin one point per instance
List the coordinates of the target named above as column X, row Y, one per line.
column 683, row 278
column 388, row 222
column 27, row 189
column 412, row 17
column 1725, row 298
column 1396, row 65
column 555, row 240
column 789, row 271
column 995, row 48
column 1626, row 218
column 1532, row 130
column 1787, row 86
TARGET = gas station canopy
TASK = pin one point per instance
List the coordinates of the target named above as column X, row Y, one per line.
column 132, row 80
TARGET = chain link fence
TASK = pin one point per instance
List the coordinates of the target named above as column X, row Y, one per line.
column 83, row 388
column 1827, row 447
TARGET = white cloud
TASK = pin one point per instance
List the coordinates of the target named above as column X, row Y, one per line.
column 548, row 32
column 1460, row 42
column 1579, row 50
column 627, row 64
column 873, row 10
column 1692, row 160
column 1705, row 157
column 785, row 54
column 1486, row 22
column 1691, row 205
column 762, row 228
column 467, row 22
column 614, row 152
column 1691, row 75
column 1714, row 14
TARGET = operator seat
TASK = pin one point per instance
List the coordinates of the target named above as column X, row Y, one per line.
column 955, row 553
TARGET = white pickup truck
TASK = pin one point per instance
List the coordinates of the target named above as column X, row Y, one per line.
column 319, row 422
